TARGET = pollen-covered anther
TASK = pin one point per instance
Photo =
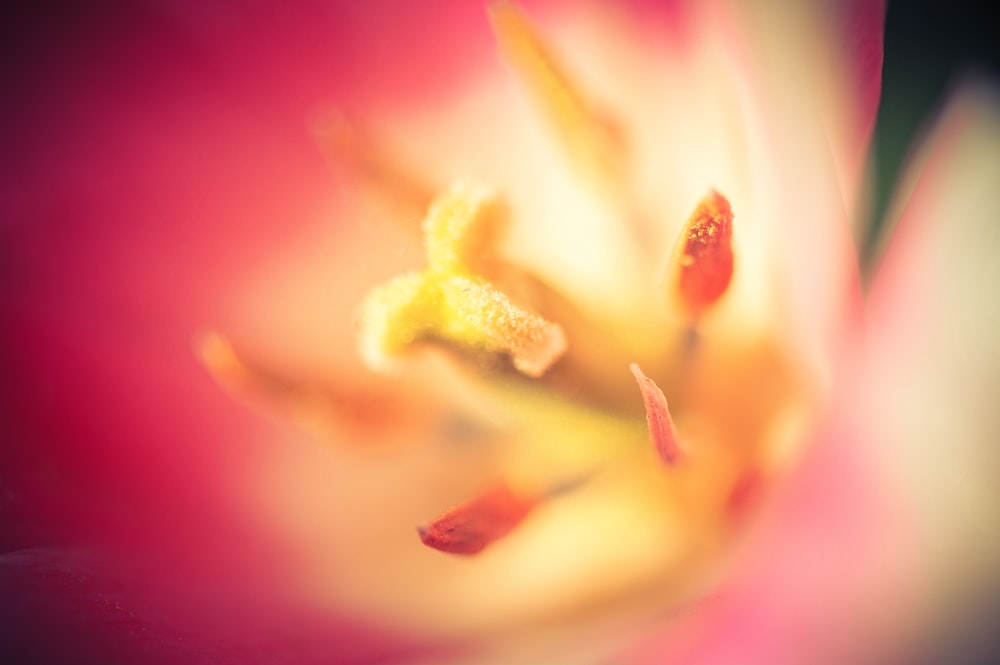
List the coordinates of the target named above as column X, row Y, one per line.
column 533, row 343
column 449, row 301
column 662, row 433
column 462, row 228
column 469, row 528
column 702, row 267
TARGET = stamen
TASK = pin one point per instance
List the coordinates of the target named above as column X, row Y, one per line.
column 593, row 141
column 462, row 228
column 448, row 301
column 703, row 264
column 661, row 426
column 499, row 325
column 471, row 527
column 395, row 315
column 374, row 162
column 219, row 357
column 319, row 409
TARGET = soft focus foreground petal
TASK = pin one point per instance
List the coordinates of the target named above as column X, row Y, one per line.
column 64, row 606
column 934, row 361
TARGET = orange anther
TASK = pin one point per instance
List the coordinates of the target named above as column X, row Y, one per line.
column 704, row 262
column 661, row 425
column 470, row 527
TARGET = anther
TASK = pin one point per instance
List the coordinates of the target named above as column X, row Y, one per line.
column 450, row 301
column 661, row 426
column 471, row 527
column 702, row 266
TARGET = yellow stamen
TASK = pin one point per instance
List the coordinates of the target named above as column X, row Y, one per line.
column 479, row 312
column 450, row 301
column 461, row 230
column 593, row 141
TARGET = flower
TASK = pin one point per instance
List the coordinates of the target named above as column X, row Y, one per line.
column 184, row 191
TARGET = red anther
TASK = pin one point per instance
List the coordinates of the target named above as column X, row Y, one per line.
column 661, row 425
column 470, row 527
column 705, row 260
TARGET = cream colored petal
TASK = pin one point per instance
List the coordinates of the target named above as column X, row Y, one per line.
column 825, row 56
column 795, row 104
column 933, row 366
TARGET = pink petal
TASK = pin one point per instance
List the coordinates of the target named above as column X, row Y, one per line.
column 62, row 606
column 154, row 157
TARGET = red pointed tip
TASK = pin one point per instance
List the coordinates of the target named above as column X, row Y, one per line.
column 705, row 262
column 658, row 420
column 469, row 528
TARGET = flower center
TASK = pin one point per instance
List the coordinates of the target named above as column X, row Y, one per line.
column 531, row 445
